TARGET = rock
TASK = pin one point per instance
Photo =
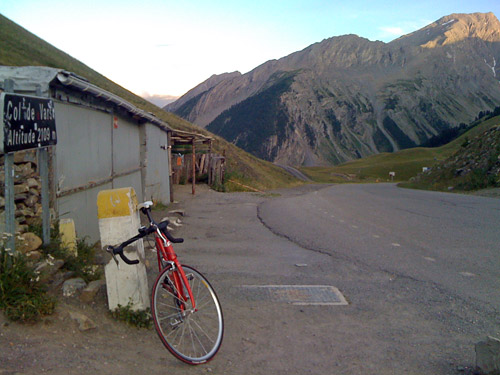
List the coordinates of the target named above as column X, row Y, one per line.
column 72, row 286
column 31, row 201
column 31, row 156
column 19, row 157
column 178, row 212
column 89, row 293
column 24, row 169
column 84, row 322
column 34, row 255
column 21, row 228
column 26, row 212
column 21, row 197
column 174, row 221
column 60, row 277
column 33, row 183
column 34, row 191
column 101, row 258
column 21, row 188
column 29, row 242
column 38, row 209
column 48, row 268
column 488, row 356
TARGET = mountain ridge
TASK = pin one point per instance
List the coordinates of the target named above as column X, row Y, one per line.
column 19, row 47
column 351, row 97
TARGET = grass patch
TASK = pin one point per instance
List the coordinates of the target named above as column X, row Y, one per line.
column 136, row 318
column 159, row 206
column 22, row 297
column 406, row 163
column 256, row 173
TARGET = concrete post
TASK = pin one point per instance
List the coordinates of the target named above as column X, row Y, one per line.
column 119, row 221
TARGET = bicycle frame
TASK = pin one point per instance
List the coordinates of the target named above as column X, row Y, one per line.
column 165, row 253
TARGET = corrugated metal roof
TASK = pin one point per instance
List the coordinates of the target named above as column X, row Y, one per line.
column 33, row 79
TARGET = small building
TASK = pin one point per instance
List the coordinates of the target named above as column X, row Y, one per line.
column 103, row 142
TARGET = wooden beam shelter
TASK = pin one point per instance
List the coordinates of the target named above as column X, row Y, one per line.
column 182, row 144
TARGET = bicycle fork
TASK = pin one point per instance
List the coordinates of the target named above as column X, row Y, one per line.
column 166, row 255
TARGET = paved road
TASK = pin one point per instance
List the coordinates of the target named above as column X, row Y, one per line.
column 420, row 271
column 449, row 240
column 294, row 172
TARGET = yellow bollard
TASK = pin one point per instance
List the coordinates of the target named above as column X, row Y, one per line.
column 68, row 235
column 119, row 221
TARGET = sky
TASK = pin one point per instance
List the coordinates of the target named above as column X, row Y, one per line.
column 167, row 47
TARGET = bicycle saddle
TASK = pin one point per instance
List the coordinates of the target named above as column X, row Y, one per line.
column 147, row 204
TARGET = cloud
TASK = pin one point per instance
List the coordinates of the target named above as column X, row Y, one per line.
column 396, row 31
column 387, row 32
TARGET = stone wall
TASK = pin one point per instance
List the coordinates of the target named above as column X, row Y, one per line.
column 27, row 190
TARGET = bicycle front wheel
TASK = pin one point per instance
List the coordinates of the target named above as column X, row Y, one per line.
column 192, row 335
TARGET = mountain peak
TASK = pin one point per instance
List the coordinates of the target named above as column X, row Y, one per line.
column 483, row 26
column 455, row 28
column 206, row 85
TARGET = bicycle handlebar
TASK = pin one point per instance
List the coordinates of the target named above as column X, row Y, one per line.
column 163, row 227
column 119, row 250
column 143, row 231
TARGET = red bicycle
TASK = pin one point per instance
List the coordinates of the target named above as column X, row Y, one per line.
column 185, row 309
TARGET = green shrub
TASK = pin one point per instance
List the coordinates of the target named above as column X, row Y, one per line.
column 22, row 297
column 159, row 206
column 477, row 179
column 83, row 263
column 139, row 318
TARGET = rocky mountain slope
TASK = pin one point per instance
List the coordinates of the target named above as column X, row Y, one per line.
column 347, row 97
column 476, row 165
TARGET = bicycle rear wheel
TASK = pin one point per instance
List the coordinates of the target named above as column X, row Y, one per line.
column 192, row 335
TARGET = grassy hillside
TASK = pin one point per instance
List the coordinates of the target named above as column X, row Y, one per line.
column 19, row 47
column 474, row 165
column 406, row 163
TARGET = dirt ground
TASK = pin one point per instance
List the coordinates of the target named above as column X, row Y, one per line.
column 56, row 345
column 226, row 241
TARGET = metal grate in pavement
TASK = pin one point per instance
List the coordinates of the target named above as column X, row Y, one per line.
column 296, row 294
